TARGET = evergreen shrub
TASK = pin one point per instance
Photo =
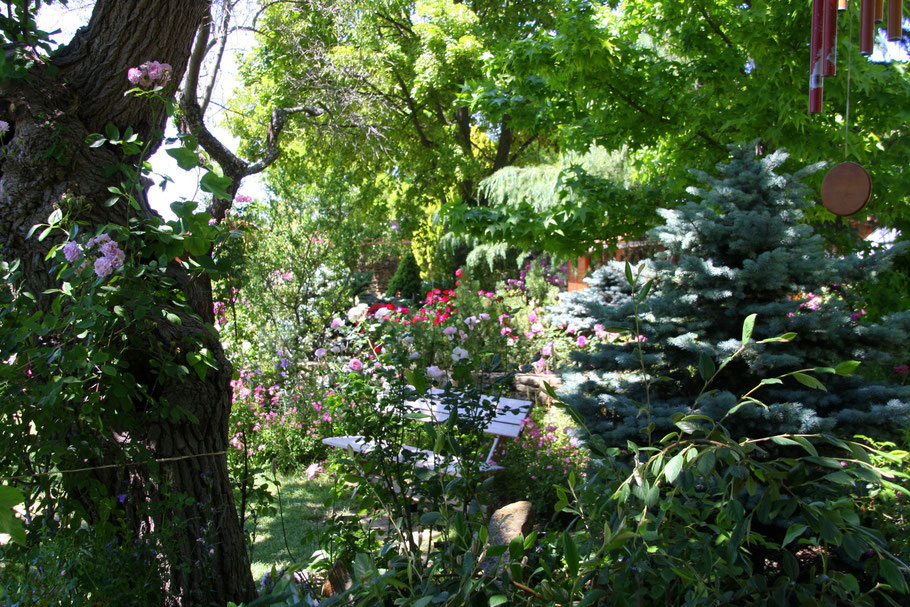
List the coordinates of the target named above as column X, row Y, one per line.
column 739, row 247
column 406, row 282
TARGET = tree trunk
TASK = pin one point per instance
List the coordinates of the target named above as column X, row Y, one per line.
column 60, row 104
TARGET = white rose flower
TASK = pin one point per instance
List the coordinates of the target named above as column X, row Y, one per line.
column 358, row 312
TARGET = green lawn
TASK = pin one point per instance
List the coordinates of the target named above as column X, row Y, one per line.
column 302, row 503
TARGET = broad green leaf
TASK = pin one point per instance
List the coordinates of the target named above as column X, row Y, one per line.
column 706, row 366
column 674, row 466
column 793, row 532
column 216, row 185
column 498, row 599
column 643, row 294
column 809, row 381
column 892, row 575
column 782, row 440
column 849, row 582
column 571, row 553
column 593, row 597
column 516, row 548
column 96, row 140
column 840, row 477
column 748, row 325
column 9, row 497
column 809, row 447
column 497, row 551
column 847, row 367
column 186, row 159
column 854, row 545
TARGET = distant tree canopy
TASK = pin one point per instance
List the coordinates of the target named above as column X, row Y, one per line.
column 435, row 96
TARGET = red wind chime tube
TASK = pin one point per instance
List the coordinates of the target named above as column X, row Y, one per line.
column 829, row 38
column 866, row 27
column 841, row 5
column 895, row 20
column 879, row 10
column 815, row 58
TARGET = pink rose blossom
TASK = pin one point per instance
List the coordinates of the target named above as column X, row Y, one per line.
column 355, row 364
column 320, row 352
column 582, row 341
column 71, row 251
column 134, row 75
column 103, row 266
column 458, row 273
column 532, row 316
column 313, row 470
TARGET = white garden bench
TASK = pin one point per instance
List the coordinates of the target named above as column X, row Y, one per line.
column 507, row 421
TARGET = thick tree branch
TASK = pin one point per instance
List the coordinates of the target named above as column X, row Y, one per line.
column 276, row 125
column 200, row 49
column 412, row 106
column 504, row 145
column 521, row 149
column 232, row 165
column 463, row 120
column 713, row 25
column 222, row 44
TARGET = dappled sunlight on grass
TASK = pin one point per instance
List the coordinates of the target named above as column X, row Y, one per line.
column 302, row 504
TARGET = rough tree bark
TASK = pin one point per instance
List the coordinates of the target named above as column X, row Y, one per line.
column 78, row 93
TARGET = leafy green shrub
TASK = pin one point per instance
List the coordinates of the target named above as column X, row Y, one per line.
column 542, row 457
column 697, row 518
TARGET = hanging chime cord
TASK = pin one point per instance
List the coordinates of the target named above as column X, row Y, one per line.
column 849, row 71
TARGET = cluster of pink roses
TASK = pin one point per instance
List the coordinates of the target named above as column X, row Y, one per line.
column 111, row 257
column 149, row 74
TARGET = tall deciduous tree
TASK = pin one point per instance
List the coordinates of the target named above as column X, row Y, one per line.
column 677, row 81
column 64, row 99
column 387, row 77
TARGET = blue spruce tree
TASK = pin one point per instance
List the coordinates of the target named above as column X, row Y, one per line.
column 738, row 248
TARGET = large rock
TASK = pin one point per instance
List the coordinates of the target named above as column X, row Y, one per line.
column 337, row 581
column 507, row 523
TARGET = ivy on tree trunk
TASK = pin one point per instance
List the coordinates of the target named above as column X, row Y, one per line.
column 75, row 93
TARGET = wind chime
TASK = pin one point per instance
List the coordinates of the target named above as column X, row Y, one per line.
column 847, row 187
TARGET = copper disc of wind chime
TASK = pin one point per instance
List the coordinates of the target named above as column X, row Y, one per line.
column 847, row 187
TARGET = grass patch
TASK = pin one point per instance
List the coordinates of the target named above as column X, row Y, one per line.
column 302, row 502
